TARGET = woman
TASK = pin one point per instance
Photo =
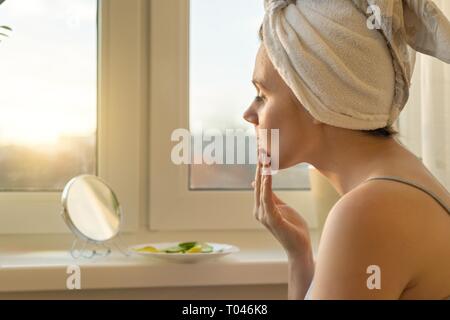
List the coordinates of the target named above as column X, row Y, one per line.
column 333, row 87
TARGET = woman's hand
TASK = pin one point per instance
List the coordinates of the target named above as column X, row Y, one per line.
column 288, row 227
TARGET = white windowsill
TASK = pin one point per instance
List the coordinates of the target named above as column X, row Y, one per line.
column 39, row 263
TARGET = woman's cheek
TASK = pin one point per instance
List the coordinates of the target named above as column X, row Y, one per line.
column 272, row 116
column 284, row 150
column 270, row 123
column 289, row 144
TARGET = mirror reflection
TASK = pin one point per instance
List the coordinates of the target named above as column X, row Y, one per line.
column 91, row 209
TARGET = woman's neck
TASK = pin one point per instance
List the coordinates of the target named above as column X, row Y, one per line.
column 350, row 158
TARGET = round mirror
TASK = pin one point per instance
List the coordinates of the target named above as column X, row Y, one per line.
column 91, row 209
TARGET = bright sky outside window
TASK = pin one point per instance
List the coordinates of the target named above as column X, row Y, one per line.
column 48, row 93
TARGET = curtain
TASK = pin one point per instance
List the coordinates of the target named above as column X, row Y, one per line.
column 425, row 123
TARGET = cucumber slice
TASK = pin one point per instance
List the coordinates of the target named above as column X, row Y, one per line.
column 188, row 245
column 206, row 248
column 174, row 250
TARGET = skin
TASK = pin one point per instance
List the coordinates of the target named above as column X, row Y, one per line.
column 394, row 226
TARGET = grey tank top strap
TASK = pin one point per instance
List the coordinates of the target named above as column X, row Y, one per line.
column 415, row 185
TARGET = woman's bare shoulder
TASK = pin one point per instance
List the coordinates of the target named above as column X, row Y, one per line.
column 375, row 208
column 386, row 218
column 363, row 231
column 387, row 205
column 390, row 226
column 400, row 225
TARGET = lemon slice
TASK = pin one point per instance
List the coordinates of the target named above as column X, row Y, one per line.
column 148, row 249
column 195, row 249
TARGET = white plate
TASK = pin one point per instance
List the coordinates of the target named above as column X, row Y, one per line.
column 219, row 250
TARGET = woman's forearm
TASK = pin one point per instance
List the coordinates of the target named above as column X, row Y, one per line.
column 301, row 272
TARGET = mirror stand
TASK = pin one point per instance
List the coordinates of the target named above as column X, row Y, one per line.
column 118, row 242
column 91, row 249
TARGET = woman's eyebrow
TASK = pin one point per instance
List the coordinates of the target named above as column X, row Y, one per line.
column 258, row 84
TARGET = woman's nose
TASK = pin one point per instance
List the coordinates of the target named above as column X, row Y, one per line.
column 251, row 116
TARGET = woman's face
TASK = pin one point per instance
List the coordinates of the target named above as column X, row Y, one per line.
column 276, row 107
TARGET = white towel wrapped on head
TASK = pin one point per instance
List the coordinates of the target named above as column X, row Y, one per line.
column 346, row 70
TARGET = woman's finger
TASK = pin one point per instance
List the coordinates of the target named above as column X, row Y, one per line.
column 276, row 199
column 270, row 210
column 257, row 191
column 267, row 197
column 261, row 198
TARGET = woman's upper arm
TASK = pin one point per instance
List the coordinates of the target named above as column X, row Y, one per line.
column 364, row 252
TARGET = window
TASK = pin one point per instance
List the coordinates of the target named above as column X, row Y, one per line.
column 185, row 94
column 73, row 81
column 220, row 89
column 49, row 93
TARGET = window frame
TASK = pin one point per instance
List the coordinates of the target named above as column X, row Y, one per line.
column 122, row 127
column 172, row 206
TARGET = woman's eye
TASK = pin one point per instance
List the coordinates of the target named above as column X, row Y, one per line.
column 259, row 98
